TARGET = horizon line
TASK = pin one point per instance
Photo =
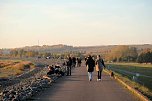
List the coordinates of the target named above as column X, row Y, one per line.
column 75, row 45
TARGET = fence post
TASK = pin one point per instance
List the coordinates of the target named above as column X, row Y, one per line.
column 135, row 77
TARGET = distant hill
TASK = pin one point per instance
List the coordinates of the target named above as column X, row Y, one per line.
column 46, row 48
column 144, row 46
column 60, row 48
column 65, row 48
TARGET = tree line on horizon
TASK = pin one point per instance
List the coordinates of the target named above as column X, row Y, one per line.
column 129, row 54
column 21, row 53
column 120, row 53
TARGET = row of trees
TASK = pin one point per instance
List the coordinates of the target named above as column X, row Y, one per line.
column 145, row 57
column 129, row 54
column 22, row 53
column 122, row 53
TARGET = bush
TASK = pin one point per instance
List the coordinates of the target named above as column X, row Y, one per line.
column 145, row 57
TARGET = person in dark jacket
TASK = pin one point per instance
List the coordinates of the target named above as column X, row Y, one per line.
column 79, row 62
column 73, row 61
column 51, row 70
column 49, row 73
column 90, row 64
column 69, row 64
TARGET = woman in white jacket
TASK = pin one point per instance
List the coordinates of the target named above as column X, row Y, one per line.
column 99, row 66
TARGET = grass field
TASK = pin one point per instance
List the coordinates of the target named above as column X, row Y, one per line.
column 143, row 81
column 10, row 68
column 13, row 67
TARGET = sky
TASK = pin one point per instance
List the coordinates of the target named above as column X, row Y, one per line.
column 75, row 22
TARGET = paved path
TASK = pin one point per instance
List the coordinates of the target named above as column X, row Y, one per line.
column 78, row 88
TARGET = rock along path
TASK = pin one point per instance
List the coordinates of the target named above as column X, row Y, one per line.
column 78, row 88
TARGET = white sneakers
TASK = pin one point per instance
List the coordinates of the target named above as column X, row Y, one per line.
column 98, row 79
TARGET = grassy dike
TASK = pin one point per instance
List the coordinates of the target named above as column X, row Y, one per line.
column 144, row 84
column 10, row 68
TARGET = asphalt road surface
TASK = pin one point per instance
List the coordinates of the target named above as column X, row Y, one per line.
column 78, row 88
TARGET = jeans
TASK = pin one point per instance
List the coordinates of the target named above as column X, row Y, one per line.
column 90, row 75
column 68, row 70
column 99, row 74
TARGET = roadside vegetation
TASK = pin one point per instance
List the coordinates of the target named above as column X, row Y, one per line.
column 139, row 76
column 10, row 68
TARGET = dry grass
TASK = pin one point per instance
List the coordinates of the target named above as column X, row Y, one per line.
column 12, row 68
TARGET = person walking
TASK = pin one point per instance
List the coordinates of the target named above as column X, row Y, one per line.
column 69, row 65
column 99, row 67
column 79, row 62
column 73, row 61
column 90, row 63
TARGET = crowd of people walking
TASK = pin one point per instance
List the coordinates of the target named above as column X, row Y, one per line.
column 91, row 63
column 72, row 62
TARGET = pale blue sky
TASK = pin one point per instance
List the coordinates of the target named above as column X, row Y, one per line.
column 75, row 22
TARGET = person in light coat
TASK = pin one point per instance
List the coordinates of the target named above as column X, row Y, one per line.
column 99, row 66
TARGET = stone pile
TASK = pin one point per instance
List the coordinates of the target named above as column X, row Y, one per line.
column 13, row 80
column 24, row 88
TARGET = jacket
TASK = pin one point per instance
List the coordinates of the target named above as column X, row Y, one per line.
column 90, row 63
column 99, row 64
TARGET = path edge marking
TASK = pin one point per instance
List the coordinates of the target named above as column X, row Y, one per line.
column 136, row 92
